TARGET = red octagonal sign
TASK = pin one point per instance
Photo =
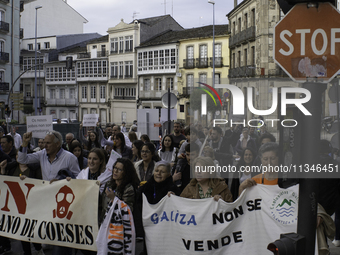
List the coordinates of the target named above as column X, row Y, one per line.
column 307, row 42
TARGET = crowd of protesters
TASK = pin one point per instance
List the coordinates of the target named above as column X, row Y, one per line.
column 145, row 167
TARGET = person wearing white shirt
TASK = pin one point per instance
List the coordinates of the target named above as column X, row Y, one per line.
column 17, row 138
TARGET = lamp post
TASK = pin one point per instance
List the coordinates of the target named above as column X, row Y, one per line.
column 35, row 57
column 213, row 78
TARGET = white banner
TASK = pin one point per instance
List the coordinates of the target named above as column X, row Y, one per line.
column 203, row 226
column 113, row 158
column 90, row 120
column 39, row 125
column 62, row 213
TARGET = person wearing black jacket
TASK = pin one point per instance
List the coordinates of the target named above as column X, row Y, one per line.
column 221, row 146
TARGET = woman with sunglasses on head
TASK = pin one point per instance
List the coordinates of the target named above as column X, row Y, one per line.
column 146, row 166
column 123, row 184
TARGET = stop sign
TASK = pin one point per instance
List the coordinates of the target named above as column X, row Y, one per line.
column 307, row 42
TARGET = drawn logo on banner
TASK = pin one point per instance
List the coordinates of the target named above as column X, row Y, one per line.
column 284, row 207
column 64, row 198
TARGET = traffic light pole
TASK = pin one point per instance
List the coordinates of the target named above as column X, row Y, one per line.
column 309, row 188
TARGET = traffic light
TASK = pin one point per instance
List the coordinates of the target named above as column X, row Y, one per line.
column 7, row 110
column 287, row 244
column 69, row 61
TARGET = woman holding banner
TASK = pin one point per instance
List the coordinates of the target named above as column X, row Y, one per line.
column 123, row 184
column 206, row 185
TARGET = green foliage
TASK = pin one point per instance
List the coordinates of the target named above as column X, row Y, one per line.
column 196, row 101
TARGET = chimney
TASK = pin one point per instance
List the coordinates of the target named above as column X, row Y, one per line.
column 235, row 3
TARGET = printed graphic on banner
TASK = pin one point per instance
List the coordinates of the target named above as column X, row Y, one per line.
column 59, row 214
column 187, row 226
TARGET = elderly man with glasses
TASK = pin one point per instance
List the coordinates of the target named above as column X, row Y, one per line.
column 52, row 159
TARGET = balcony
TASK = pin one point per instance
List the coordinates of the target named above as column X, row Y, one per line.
column 84, row 55
column 4, row 57
column 242, row 37
column 102, row 53
column 218, row 62
column 4, row 1
column 187, row 91
column 30, row 100
column 154, row 93
column 113, row 77
column 4, row 27
column 125, row 97
column 202, row 62
column 113, row 51
column 62, row 102
column 4, row 86
column 189, row 63
column 242, row 72
column 21, row 33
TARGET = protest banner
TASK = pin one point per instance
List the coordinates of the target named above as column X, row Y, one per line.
column 39, row 125
column 90, row 120
column 113, row 158
column 190, row 226
column 63, row 213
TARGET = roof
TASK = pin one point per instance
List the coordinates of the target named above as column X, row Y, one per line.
column 104, row 38
column 154, row 20
column 192, row 33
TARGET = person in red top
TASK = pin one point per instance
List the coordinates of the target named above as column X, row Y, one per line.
column 269, row 155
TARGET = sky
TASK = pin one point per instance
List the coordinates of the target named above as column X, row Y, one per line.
column 102, row 14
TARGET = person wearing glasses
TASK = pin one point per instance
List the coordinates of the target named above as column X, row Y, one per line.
column 123, row 185
column 146, row 166
column 52, row 159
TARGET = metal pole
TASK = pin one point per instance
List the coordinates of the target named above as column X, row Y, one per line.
column 169, row 105
column 213, row 83
column 309, row 188
column 35, row 57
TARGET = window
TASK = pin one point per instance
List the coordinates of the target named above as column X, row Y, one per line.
column 155, row 59
column 203, row 77
column 121, row 44
column 114, row 70
column 239, row 58
column 190, row 52
column 181, row 108
column 147, row 85
column 246, row 20
column 52, row 93
column 140, row 61
column 169, row 83
column 150, row 60
column 234, row 28
column 62, row 93
column 167, row 59
column 252, row 56
column 203, row 51
column 239, row 25
column 158, row 84
column 28, row 90
column 93, row 68
column 121, row 69
column 84, row 92
column 217, row 78
column 190, row 80
column 128, row 69
column 145, row 60
column 102, row 92
column 93, row 92
column 30, row 46
column 218, row 50
column 253, row 17
column 114, row 45
column 245, row 63
column 57, row 73
column 38, row 46
column 128, row 43
column 233, row 61
column 125, row 92
column 173, row 59
column 72, row 93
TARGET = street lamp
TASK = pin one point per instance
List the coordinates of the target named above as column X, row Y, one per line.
column 35, row 57
column 213, row 3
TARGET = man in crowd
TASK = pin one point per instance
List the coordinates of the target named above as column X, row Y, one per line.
column 7, row 146
column 177, row 136
column 52, row 159
column 191, row 136
column 122, row 127
column 221, row 146
column 17, row 137
column 68, row 139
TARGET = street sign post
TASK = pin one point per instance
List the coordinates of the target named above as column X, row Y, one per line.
column 307, row 43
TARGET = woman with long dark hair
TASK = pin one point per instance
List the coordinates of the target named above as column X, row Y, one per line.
column 136, row 150
column 120, row 147
column 167, row 153
column 77, row 150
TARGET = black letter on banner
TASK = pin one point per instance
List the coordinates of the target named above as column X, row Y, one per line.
column 199, row 246
column 225, row 243
column 187, row 245
column 258, row 204
column 215, row 217
column 212, row 244
column 88, row 233
column 238, row 236
column 238, row 211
